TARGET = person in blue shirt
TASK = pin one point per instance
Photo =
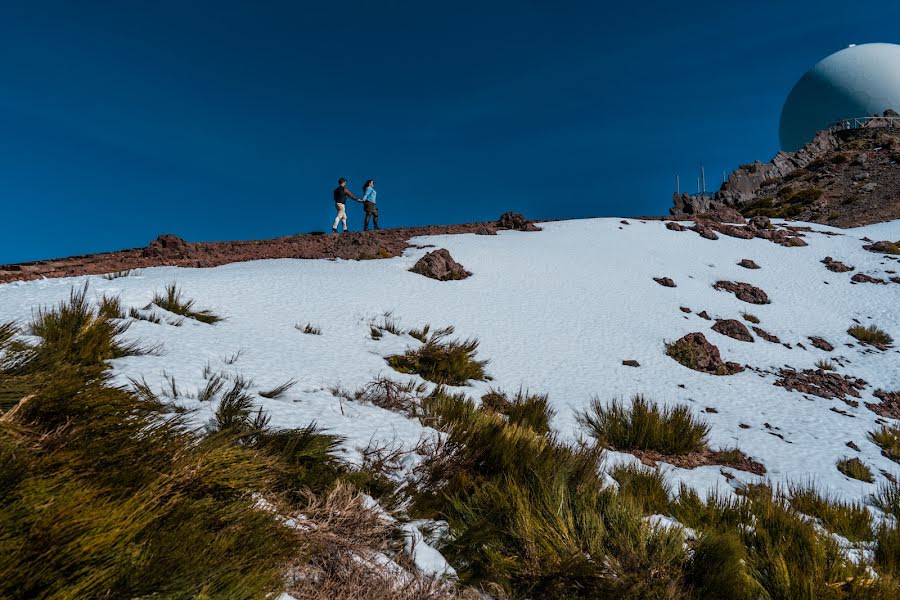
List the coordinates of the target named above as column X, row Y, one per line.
column 368, row 200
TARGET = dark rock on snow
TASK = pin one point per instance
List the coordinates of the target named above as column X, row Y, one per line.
column 821, row 343
column 665, row 281
column 513, row 220
column 748, row 264
column 733, row 329
column 835, row 265
column 696, row 352
column 743, row 291
column 439, row 265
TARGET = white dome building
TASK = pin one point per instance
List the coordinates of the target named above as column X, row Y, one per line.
column 858, row 81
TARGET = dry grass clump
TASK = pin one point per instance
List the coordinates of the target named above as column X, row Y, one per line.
column 850, row 520
column 442, row 361
column 279, row 390
column 856, row 469
column 887, row 498
column 174, row 302
column 396, row 396
column 888, row 439
column 644, row 425
column 825, row 365
column 750, row 318
column 871, row 335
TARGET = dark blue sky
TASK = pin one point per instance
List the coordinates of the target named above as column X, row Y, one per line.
column 232, row 120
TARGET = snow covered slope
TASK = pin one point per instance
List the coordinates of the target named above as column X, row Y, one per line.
column 556, row 312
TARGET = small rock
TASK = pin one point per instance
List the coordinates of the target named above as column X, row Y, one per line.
column 438, row 264
column 743, row 291
column 631, row 363
column 821, row 343
column 664, row 281
column 703, row 315
column 672, row 225
column 767, row 336
column 863, row 278
column 794, row 242
column 835, row 265
column 733, row 329
column 685, row 309
column 852, row 446
column 704, row 231
column 748, row 264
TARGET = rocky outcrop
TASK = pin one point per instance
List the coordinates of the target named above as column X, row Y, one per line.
column 743, row 291
column 817, row 382
column 167, row 246
column 439, row 265
column 513, row 220
column 888, row 407
column 733, row 329
column 695, row 352
column 843, row 178
column 863, row 278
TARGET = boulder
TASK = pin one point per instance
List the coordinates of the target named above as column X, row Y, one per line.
column 167, row 246
column 704, row 231
column 760, row 222
column 733, row 329
column 516, row 221
column 743, row 291
column 766, row 335
column 884, row 247
column 439, row 265
column 863, row 278
column 696, row 352
column 673, row 226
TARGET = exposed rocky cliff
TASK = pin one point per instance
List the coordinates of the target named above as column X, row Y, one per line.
column 845, row 178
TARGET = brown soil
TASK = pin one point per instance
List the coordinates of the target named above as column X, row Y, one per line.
column 170, row 250
column 693, row 460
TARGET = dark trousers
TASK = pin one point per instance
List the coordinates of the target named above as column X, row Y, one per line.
column 371, row 211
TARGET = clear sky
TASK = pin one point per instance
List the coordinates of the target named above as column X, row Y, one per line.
column 233, row 120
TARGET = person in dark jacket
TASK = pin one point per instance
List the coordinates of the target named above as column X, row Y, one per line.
column 341, row 193
column 368, row 201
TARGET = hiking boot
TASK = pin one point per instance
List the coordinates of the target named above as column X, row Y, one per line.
column 334, row 230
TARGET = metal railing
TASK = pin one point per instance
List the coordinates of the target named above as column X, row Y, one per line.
column 866, row 122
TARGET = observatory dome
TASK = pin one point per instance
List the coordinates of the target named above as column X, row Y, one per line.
column 858, row 81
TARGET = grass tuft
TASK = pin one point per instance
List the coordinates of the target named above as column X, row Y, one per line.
column 524, row 409
column 150, row 317
column 855, row 469
column 871, row 335
column 825, row 365
column 750, row 318
column 888, row 439
column 645, row 486
column 174, row 302
column 644, row 425
column 850, row 520
column 442, row 361
column 278, row 391
column 887, row 498
column 118, row 274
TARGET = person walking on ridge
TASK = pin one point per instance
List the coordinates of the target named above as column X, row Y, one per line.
column 368, row 201
column 340, row 200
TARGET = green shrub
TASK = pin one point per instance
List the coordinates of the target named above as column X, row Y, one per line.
column 855, row 468
column 851, row 520
column 888, row 439
column 448, row 362
column 531, row 516
column 527, row 410
column 887, row 549
column 806, row 197
column 174, row 302
column 74, row 333
column 718, row 568
column 645, row 425
column 871, row 335
column 645, row 486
